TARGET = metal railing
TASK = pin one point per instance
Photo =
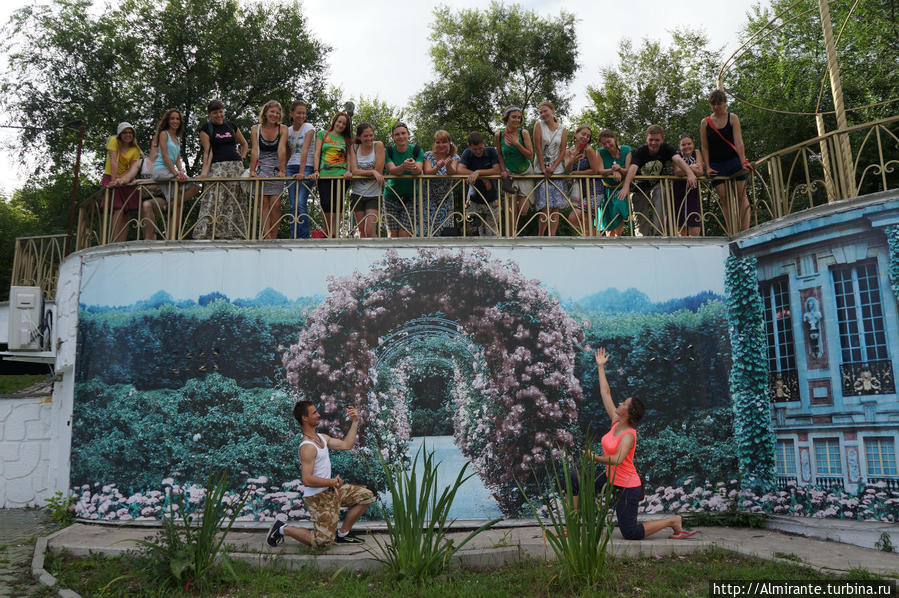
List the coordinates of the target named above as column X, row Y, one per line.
column 438, row 206
column 788, row 181
column 810, row 174
column 36, row 262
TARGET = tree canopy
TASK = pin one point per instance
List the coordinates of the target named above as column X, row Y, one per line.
column 786, row 68
column 142, row 57
column 659, row 84
column 487, row 59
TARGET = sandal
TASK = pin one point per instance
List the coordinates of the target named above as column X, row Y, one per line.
column 683, row 535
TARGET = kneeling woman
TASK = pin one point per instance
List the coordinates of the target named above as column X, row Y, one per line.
column 618, row 447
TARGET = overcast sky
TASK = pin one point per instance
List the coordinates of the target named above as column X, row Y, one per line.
column 367, row 36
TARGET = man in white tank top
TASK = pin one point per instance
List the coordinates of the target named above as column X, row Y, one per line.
column 322, row 494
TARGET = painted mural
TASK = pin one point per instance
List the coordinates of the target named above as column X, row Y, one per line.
column 192, row 360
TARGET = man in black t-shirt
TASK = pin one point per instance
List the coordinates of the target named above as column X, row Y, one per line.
column 655, row 158
column 483, row 200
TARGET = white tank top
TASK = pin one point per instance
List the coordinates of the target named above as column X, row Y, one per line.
column 322, row 466
column 365, row 187
column 551, row 142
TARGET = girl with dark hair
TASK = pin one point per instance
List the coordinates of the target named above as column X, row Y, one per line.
column 168, row 164
column 724, row 155
column 618, row 447
column 330, row 165
column 515, row 155
column 223, row 206
column 366, row 160
column 582, row 158
column 299, row 166
column 687, row 203
column 122, row 153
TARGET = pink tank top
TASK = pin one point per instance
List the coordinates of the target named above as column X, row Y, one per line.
column 625, row 473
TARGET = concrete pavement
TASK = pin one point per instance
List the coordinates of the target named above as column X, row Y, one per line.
column 517, row 539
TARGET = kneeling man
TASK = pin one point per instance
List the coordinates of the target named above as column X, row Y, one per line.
column 322, row 494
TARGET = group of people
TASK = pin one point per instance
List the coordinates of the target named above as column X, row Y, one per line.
column 339, row 159
column 325, row 493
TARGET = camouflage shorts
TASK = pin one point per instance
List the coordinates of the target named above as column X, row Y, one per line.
column 324, row 509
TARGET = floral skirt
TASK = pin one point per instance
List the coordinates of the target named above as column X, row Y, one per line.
column 223, row 210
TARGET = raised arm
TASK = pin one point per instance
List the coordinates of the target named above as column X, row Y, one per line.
column 350, row 438
column 601, row 359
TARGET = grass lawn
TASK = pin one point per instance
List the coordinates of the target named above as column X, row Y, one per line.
column 660, row 576
column 11, row 384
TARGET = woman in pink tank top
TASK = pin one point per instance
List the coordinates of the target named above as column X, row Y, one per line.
column 616, row 463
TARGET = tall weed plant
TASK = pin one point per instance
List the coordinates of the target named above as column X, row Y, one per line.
column 185, row 554
column 580, row 536
column 417, row 545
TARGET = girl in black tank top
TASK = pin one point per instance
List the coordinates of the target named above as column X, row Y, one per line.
column 722, row 160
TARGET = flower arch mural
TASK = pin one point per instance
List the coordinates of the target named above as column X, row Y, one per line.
column 518, row 397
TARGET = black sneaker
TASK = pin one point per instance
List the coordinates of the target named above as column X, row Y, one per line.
column 350, row 538
column 275, row 537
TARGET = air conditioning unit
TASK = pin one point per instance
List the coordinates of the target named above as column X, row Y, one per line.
column 30, row 320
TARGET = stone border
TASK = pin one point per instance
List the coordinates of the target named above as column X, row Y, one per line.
column 37, row 566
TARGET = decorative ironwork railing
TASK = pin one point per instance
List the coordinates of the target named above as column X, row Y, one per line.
column 794, row 179
column 867, row 378
column 36, row 262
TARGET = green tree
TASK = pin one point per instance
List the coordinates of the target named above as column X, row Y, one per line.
column 487, row 59
column 659, row 84
column 141, row 57
column 785, row 69
column 379, row 114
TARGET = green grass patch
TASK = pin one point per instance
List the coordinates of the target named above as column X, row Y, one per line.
column 659, row 576
column 11, row 384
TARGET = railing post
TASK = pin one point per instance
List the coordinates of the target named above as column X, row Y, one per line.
column 826, row 160
column 842, row 145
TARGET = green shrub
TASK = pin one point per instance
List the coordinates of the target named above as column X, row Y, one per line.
column 417, row 545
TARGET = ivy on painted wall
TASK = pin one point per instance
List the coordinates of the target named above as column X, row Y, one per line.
column 892, row 233
column 749, row 374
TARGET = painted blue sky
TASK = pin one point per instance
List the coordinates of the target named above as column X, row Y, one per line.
column 664, row 272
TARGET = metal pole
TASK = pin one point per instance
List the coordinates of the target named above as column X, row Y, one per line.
column 81, row 125
column 842, row 146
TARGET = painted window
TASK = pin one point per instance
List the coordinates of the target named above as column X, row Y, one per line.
column 827, row 457
column 881, row 456
column 860, row 313
column 786, row 457
column 778, row 325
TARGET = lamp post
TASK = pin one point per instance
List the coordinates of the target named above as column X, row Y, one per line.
column 80, row 124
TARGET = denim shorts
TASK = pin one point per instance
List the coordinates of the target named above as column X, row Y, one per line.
column 727, row 168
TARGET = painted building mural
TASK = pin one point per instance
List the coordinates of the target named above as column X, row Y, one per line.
column 832, row 338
